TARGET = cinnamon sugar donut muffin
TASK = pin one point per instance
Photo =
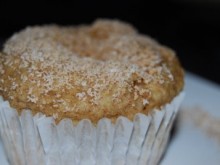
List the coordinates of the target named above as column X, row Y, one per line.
column 98, row 72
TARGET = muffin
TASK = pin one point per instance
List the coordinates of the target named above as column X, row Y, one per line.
column 89, row 94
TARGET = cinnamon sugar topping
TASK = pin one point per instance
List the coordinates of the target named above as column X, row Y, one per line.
column 85, row 63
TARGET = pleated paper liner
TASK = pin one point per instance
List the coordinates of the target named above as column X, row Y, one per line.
column 35, row 140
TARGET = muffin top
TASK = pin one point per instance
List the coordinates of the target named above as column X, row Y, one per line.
column 106, row 69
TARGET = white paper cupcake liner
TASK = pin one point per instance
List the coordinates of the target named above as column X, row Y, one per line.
column 35, row 140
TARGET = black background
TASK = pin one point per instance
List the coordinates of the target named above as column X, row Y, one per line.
column 192, row 28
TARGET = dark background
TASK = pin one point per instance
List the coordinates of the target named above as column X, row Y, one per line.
column 191, row 27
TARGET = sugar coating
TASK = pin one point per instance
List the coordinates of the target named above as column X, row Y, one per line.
column 107, row 69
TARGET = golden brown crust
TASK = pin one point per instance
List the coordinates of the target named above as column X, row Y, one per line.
column 103, row 70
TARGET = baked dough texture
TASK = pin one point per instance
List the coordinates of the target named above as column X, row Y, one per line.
column 106, row 69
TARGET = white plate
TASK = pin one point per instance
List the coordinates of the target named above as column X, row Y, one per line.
column 190, row 145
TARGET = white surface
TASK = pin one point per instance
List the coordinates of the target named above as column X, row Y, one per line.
column 190, row 145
